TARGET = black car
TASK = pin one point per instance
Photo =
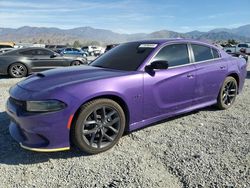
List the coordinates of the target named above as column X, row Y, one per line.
column 21, row 62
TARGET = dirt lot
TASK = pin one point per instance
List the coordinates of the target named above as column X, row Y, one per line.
column 206, row 148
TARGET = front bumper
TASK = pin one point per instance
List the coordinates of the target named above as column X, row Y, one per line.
column 43, row 132
column 32, row 141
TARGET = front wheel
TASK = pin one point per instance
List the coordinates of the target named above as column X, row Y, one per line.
column 99, row 126
column 228, row 93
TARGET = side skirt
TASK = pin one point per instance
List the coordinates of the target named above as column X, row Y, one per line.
column 149, row 121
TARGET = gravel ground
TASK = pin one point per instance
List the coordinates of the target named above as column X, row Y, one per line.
column 206, row 148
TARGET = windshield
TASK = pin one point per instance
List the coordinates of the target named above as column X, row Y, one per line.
column 127, row 57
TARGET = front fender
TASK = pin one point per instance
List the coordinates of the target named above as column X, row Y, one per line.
column 129, row 90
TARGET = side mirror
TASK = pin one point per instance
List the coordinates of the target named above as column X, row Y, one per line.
column 53, row 55
column 158, row 65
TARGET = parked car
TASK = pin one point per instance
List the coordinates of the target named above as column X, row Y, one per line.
column 55, row 47
column 21, row 62
column 132, row 86
column 73, row 51
column 93, row 50
column 110, row 46
column 240, row 55
column 243, row 48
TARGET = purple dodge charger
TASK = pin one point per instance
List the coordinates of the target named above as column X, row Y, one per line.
column 131, row 86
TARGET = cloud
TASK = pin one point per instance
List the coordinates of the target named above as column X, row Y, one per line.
column 65, row 6
column 223, row 15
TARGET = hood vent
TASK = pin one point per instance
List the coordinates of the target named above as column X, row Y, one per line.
column 40, row 75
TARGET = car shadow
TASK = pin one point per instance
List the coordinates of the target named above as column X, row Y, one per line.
column 12, row 154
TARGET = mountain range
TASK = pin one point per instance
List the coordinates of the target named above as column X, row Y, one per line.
column 87, row 34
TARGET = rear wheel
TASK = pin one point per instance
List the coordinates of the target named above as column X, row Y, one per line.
column 228, row 93
column 17, row 70
column 99, row 126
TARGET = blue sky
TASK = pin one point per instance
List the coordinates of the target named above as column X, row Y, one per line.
column 126, row 16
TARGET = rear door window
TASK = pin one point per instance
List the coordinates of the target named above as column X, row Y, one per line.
column 201, row 53
column 68, row 50
column 43, row 52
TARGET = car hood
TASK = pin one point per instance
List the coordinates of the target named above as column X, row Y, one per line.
column 64, row 76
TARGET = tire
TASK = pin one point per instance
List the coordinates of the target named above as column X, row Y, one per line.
column 75, row 63
column 229, row 51
column 17, row 70
column 99, row 126
column 228, row 93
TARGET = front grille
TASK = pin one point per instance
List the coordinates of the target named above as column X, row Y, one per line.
column 17, row 103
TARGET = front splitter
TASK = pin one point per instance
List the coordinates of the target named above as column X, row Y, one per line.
column 44, row 150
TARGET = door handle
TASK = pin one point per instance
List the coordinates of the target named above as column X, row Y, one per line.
column 190, row 75
column 222, row 67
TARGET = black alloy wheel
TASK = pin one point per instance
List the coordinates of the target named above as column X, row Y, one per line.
column 99, row 126
column 227, row 93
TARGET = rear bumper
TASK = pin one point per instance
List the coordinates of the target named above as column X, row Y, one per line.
column 243, row 76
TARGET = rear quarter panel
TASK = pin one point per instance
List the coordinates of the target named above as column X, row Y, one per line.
column 238, row 66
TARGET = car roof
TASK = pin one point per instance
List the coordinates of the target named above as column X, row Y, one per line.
column 32, row 48
column 29, row 48
column 162, row 41
column 17, row 50
column 170, row 40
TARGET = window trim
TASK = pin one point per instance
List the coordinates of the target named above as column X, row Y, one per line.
column 204, row 61
column 216, row 51
column 203, row 46
column 190, row 53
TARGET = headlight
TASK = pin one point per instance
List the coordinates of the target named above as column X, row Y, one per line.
column 44, row 106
